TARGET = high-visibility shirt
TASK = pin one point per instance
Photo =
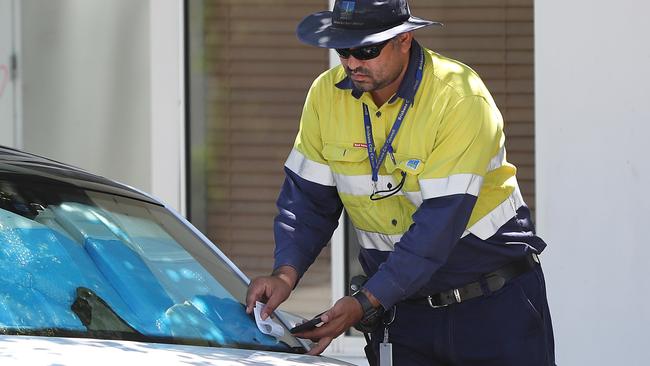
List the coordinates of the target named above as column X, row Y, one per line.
column 459, row 213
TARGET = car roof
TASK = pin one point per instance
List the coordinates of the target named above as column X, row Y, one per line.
column 20, row 163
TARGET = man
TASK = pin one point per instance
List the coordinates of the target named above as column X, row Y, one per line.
column 411, row 144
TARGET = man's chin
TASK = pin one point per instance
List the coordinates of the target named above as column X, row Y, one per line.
column 364, row 87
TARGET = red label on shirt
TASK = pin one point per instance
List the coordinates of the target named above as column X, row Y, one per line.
column 360, row 144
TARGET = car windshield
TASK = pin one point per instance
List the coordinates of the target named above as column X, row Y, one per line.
column 82, row 263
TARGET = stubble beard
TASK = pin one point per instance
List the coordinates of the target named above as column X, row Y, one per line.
column 372, row 83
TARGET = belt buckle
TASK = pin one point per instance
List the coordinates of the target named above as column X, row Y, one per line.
column 457, row 297
column 430, row 300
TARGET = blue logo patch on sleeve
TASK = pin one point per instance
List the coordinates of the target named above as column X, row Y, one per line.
column 413, row 164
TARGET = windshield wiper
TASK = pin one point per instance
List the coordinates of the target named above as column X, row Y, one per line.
column 103, row 322
column 96, row 315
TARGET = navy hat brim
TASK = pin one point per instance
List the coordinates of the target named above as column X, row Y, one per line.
column 317, row 30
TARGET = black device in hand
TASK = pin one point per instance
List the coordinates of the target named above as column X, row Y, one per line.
column 308, row 325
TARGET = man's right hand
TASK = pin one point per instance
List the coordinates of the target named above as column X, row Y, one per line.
column 273, row 290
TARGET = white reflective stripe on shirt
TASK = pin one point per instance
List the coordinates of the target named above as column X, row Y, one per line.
column 454, row 184
column 498, row 160
column 310, row 170
column 492, row 222
column 415, row 197
column 378, row 241
column 362, row 185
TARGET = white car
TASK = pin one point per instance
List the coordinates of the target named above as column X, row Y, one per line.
column 94, row 272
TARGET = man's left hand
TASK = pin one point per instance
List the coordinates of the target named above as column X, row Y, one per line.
column 345, row 313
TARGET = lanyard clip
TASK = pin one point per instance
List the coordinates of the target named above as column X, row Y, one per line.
column 390, row 153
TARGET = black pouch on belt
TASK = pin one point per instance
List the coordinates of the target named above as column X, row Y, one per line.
column 365, row 325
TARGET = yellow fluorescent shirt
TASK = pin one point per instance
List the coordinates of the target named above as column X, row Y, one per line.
column 450, row 142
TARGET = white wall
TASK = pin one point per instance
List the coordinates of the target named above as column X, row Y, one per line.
column 87, row 85
column 102, row 89
column 8, row 92
column 167, row 134
column 592, row 170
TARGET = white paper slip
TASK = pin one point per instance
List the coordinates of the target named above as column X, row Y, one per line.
column 267, row 326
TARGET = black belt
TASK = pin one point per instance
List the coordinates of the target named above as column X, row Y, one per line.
column 494, row 280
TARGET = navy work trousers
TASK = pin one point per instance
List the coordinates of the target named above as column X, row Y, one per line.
column 509, row 327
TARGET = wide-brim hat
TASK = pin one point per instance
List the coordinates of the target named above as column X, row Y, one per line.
column 359, row 23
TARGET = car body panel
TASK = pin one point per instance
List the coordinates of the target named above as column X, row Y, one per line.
column 40, row 168
column 29, row 350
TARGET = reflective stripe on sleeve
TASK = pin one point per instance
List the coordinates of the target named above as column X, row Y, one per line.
column 309, row 170
column 454, row 184
column 498, row 160
column 492, row 222
column 378, row 241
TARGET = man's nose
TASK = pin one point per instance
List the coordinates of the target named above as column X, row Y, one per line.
column 353, row 63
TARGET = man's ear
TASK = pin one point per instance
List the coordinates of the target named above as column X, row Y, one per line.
column 404, row 41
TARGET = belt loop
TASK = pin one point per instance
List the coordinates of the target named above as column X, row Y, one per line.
column 457, row 295
column 484, row 286
column 535, row 258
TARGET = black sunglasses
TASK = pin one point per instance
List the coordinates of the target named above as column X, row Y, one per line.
column 363, row 53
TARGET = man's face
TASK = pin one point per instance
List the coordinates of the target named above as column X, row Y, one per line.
column 376, row 73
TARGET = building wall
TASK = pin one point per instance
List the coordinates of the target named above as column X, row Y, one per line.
column 8, row 93
column 86, row 85
column 102, row 89
column 592, row 175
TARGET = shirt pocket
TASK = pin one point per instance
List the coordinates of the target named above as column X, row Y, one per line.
column 351, row 169
column 340, row 153
column 412, row 166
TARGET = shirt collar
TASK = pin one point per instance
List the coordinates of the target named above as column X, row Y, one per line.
column 406, row 88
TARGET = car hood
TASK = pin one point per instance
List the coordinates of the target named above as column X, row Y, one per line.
column 29, row 350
